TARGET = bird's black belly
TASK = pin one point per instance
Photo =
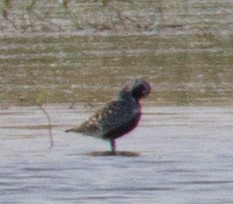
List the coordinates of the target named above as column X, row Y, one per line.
column 122, row 129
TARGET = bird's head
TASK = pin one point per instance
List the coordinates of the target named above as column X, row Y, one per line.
column 140, row 89
column 137, row 89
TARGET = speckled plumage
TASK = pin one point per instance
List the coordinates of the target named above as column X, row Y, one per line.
column 118, row 117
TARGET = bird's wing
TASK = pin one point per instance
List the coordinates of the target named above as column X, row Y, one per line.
column 89, row 127
column 108, row 121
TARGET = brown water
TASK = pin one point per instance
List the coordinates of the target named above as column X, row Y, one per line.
column 75, row 56
column 186, row 54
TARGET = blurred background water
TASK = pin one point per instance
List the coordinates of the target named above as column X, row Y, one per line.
column 72, row 50
column 73, row 56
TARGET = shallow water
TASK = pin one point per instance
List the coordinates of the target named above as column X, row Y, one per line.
column 79, row 54
column 185, row 157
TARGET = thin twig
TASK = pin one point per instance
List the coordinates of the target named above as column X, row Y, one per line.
column 49, row 125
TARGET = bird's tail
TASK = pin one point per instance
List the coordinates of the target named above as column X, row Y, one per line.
column 69, row 130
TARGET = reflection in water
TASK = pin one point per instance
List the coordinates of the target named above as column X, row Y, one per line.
column 118, row 153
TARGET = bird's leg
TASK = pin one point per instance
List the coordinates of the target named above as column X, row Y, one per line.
column 113, row 146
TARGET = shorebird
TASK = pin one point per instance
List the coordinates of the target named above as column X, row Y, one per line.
column 118, row 117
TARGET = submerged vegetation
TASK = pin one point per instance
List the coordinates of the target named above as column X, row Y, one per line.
column 71, row 15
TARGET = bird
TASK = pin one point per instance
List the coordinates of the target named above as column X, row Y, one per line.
column 117, row 117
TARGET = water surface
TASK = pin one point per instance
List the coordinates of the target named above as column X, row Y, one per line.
column 185, row 157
